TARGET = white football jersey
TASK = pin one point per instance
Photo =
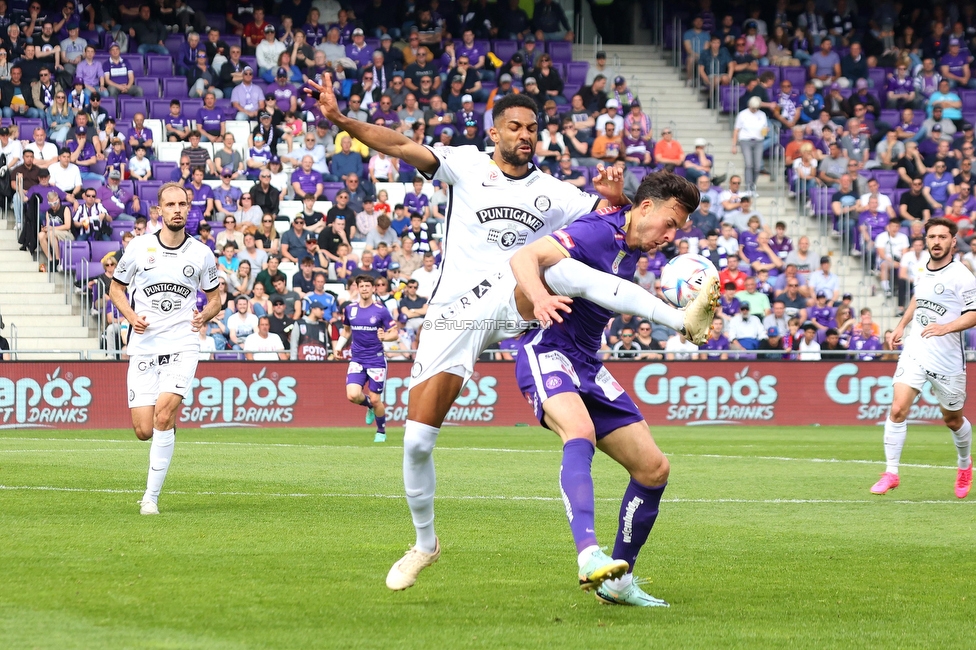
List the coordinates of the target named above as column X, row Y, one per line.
column 941, row 297
column 162, row 284
column 490, row 216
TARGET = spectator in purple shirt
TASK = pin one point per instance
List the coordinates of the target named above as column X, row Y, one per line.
column 717, row 343
column 656, row 261
column 860, row 344
column 870, row 223
column 955, row 66
column 728, row 303
column 307, row 181
column 176, row 126
column 780, row 243
column 822, row 314
column 84, row 155
column 117, row 200
column 210, row 119
column 386, row 113
column 284, row 93
column 186, row 60
column 360, row 51
column 416, row 202
column 907, row 129
column 900, row 88
column 475, row 54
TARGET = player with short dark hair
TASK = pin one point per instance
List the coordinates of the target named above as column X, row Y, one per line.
column 162, row 274
column 367, row 324
column 943, row 308
column 561, row 374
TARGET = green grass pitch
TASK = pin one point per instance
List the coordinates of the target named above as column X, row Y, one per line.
column 282, row 539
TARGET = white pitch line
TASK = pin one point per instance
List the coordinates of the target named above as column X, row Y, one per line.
column 499, row 450
column 52, row 451
column 338, row 495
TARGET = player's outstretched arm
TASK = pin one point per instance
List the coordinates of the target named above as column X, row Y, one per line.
column 527, row 265
column 964, row 322
column 116, row 292
column 610, row 185
column 389, row 141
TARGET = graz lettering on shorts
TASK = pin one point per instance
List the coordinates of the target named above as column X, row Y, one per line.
column 443, row 324
column 931, row 306
column 511, row 214
column 936, row 376
column 168, row 287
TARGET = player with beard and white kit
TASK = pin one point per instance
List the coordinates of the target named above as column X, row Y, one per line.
column 943, row 308
column 496, row 204
column 161, row 274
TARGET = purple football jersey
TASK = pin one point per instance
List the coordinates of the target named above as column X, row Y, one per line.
column 364, row 322
column 822, row 315
column 597, row 239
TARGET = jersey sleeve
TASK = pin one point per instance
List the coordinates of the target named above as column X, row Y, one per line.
column 388, row 321
column 967, row 292
column 589, row 240
column 128, row 265
column 571, row 203
column 208, row 274
column 345, row 317
column 453, row 162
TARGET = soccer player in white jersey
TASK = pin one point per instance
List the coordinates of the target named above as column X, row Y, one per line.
column 162, row 274
column 496, row 204
column 944, row 306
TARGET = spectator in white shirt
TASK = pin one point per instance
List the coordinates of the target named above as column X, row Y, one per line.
column 678, row 348
column 809, row 348
column 890, row 246
column 426, row 276
column 263, row 345
column 884, row 202
column 745, row 330
column 729, row 241
column 749, row 133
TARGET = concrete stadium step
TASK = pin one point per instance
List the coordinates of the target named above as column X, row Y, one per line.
column 43, row 322
column 12, row 310
column 25, row 277
column 66, row 345
column 39, row 300
column 54, row 334
column 31, row 288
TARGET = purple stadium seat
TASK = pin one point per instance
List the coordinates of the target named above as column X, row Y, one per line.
column 129, row 106
column 217, row 20
column 159, row 65
column 174, row 42
column 110, row 104
column 158, row 109
column 886, row 180
column 251, row 61
column 100, row 249
column 820, row 200
column 576, row 72
column 98, row 167
column 770, row 68
column 226, row 107
column 879, row 77
column 191, row 107
column 6, row 121
column 174, row 87
column 150, row 87
column 135, row 62
column 560, row 51
column 373, row 42
column 730, row 104
column 147, row 192
column 88, row 185
column 228, row 356
column 968, row 98
column 331, row 189
column 482, row 45
column 102, row 58
column 488, row 86
column 891, row 116
column 895, row 196
column 505, row 49
column 162, row 171
column 639, row 172
column 796, row 75
column 92, row 38
column 27, row 126
column 570, row 89
column 232, row 40
column 120, row 227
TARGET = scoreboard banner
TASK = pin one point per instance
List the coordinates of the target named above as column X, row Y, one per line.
column 92, row 395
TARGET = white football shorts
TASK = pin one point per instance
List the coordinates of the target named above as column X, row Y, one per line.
column 152, row 374
column 950, row 390
column 454, row 335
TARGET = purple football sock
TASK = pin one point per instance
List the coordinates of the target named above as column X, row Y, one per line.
column 368, row 404
column 638, row 511
column 576, row 484
column 380, row 424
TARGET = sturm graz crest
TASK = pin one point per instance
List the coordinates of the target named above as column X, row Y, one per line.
column 166, row 305
column 188, row 271
column 507, row 238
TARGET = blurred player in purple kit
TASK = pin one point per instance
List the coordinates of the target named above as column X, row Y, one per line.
column 564, row 380
column 367, row 324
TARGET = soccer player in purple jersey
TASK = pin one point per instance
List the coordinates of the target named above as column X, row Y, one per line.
column 367, row 324
column 563, row 379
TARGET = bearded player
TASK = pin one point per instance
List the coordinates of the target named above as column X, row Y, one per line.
column 573, row 394
column 944, row 306
column 162, row 274
column 367, row 324
column 497, row 204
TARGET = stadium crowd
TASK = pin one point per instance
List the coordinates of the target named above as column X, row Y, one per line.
column 102, row 102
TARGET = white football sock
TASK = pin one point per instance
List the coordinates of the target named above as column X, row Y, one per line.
column 419, row 480
column 160, row 455
column 621, row 583
column 964, row 443
column 584, row 555
column 577, row 280
column 894, row 439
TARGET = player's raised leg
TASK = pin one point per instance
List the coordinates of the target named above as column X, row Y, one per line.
column 895, row 432
column 566, row 414
column 633, row 447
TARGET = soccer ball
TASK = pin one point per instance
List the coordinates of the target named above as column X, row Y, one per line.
column 682, row 278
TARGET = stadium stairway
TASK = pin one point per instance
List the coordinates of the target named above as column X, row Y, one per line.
column 38, row 312
column 669, row 102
